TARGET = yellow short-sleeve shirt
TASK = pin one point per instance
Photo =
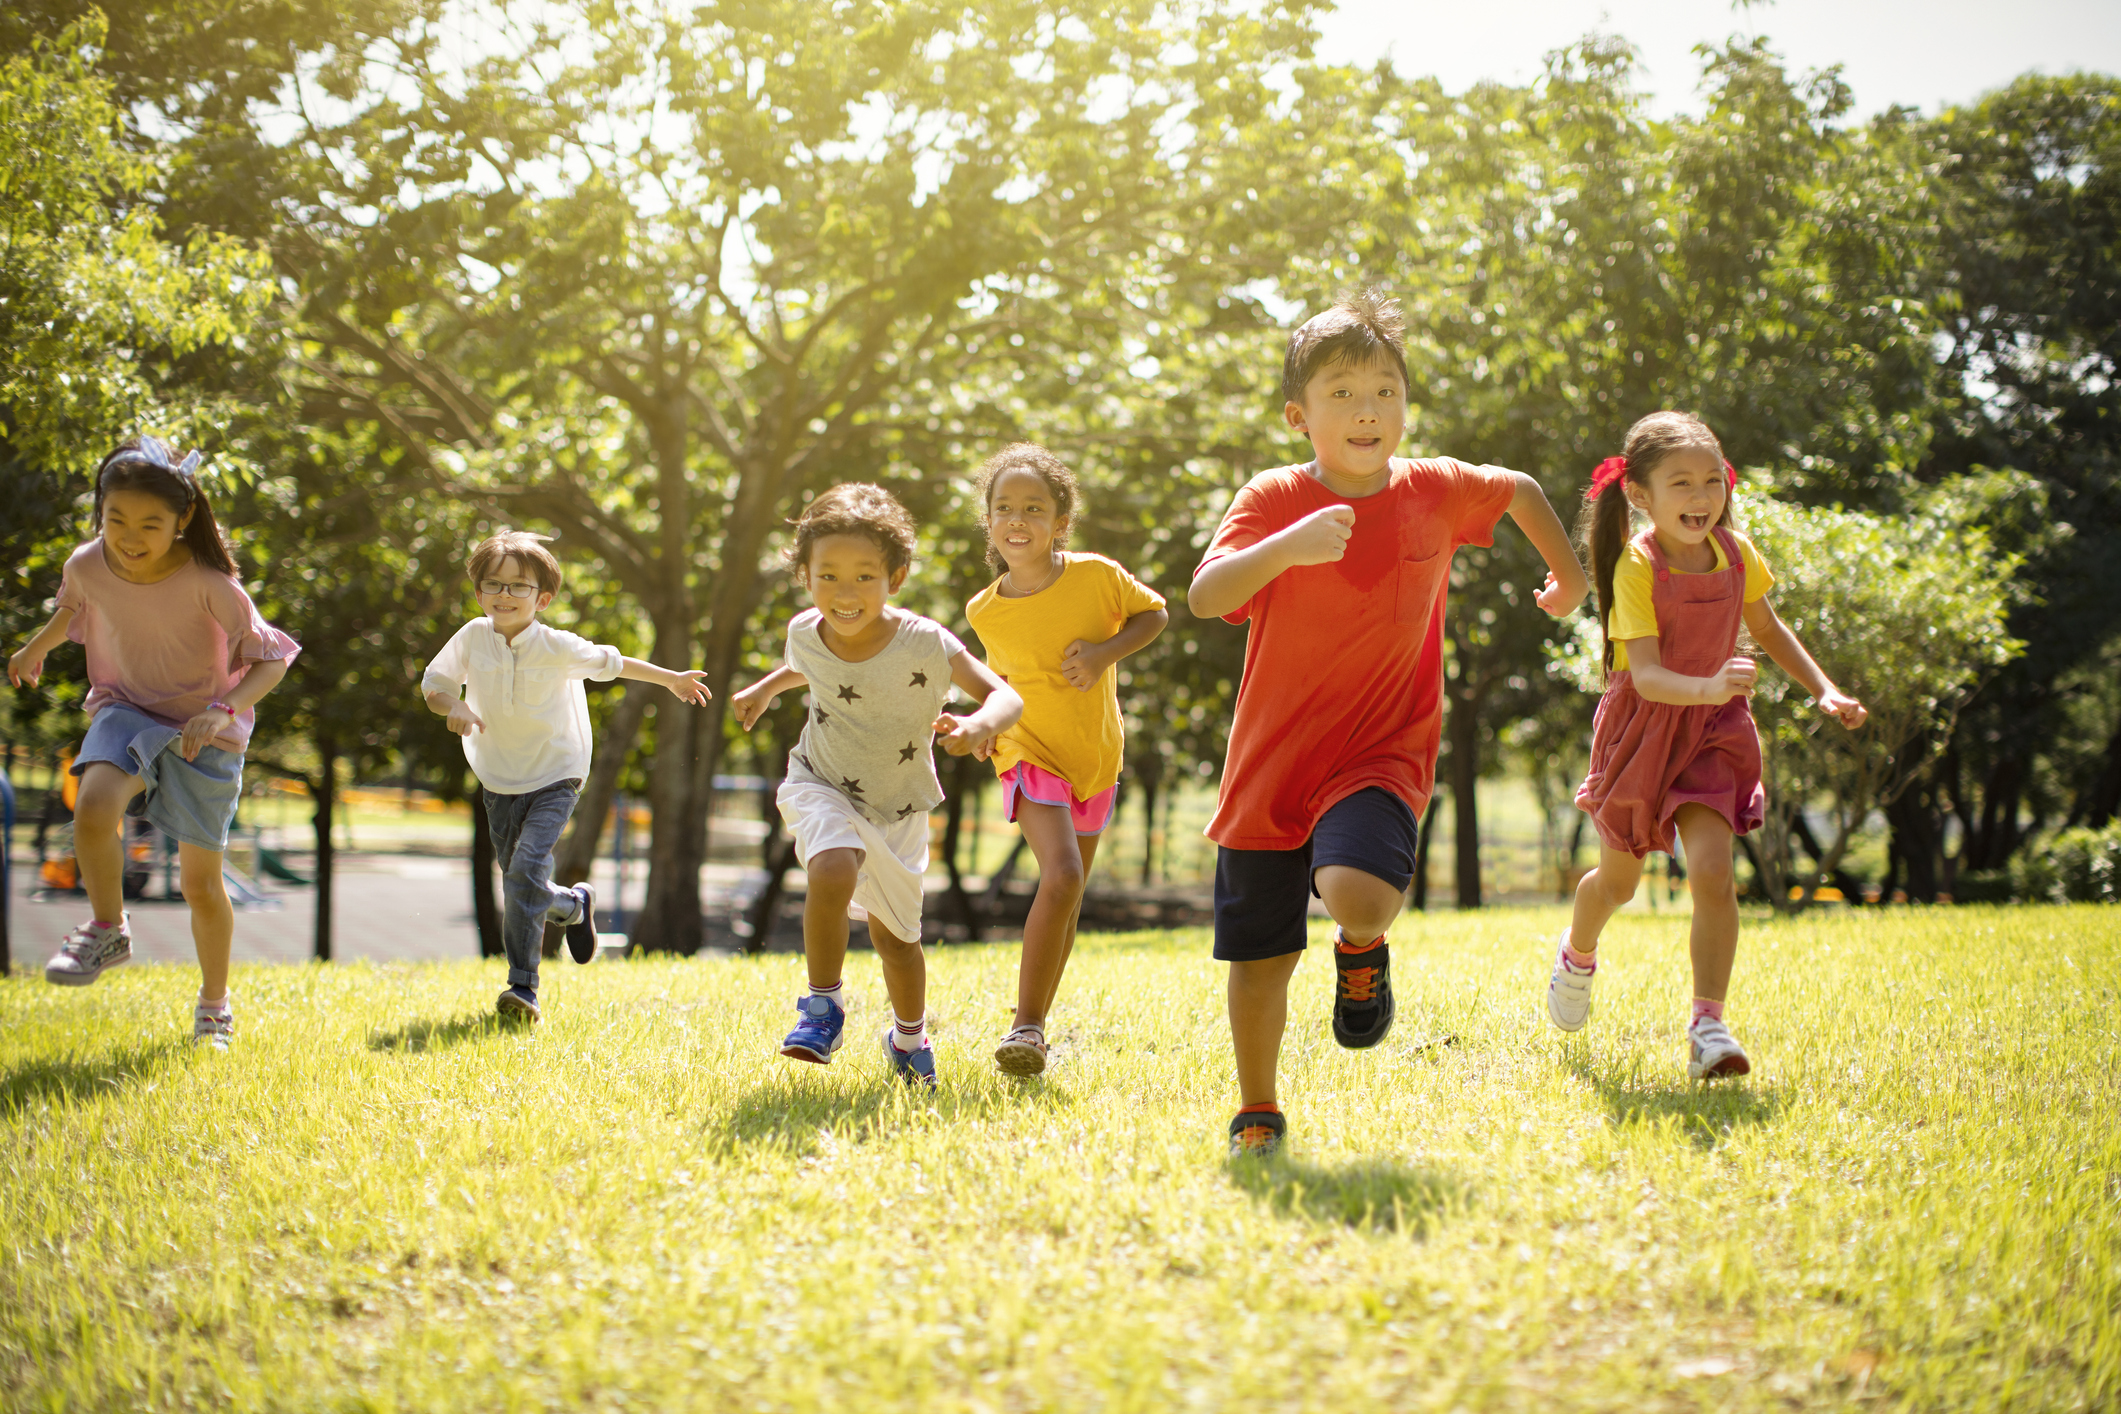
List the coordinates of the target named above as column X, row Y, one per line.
column 1633, row 616
column 1075, row 735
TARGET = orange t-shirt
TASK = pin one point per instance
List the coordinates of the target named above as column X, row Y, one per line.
column 1343, row 681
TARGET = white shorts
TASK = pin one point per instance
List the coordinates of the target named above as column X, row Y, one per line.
column 894, row 857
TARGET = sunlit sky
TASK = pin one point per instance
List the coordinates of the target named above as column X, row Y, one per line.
column 1922, row 53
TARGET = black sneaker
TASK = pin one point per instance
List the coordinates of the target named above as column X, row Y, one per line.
column 519, row 1004
column 1257, row 1134
column 582, row 934
column 1362, row 995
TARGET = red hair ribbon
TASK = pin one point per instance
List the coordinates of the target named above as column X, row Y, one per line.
column 1613, row 468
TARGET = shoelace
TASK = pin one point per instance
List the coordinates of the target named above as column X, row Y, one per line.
column 1257, row 1136
column 1358, row 984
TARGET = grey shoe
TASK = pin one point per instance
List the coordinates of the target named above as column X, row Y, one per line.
column 213, row 1026
column 89, row 952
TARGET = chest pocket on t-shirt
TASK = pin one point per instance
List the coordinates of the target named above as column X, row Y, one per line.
column 1415, row 594
column 534, row 686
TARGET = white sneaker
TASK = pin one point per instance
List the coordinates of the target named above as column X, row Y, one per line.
column 1712, row 1053
column 1569, row 990
column 213, row 1025
column 88, row 952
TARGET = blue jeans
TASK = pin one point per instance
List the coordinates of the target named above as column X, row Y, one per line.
column 526, row 830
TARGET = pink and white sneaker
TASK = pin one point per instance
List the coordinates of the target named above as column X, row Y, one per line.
column 1712, row 1052
column 88, row 952
column 1569, row 989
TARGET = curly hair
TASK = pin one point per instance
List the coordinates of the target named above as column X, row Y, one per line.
column 526, row 548
column 1060, row 485
column 855, row 508
column 1361, row 326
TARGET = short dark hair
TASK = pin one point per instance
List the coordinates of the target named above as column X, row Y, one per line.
column 1360, row 327
column 1028, row 456
column 855, row 508
column 526, row 546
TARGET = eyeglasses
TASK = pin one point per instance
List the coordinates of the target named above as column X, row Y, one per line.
column 513, row 591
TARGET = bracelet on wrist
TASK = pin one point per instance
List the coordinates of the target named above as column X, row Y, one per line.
column 220, row 706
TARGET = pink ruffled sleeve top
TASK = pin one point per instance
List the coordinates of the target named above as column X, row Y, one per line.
column 168, row 648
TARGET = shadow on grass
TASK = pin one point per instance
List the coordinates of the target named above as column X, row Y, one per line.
column 1706, row 1114
column 801, row 1110
column 64, row 1080
column 440, row 1035
column 1369, row 1195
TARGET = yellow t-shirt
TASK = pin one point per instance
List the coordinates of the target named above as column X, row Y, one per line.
column 1075, row 735
column 1633, row 616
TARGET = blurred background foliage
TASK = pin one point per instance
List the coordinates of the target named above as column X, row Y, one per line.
column 646, row 277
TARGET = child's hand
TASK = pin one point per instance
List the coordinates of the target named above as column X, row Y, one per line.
column 463, row 721
column 751, row 704
column 26, row 667
column 690, row 686
column 1556, row 600
column 1321, row 537
column 1734, row 679
column 1836, row 703
column 201, row 731
column 1083, row 663
column 965, row 736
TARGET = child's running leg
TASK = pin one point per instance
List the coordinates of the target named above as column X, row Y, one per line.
column 526, row 831
column 1363, row 906
column 1064, row 859
column 1706, row 836
column 1259, row 1013
column 213, row 933
column 1599, row 895
column 99, row 852
column 906, row 1045
column 831, row 876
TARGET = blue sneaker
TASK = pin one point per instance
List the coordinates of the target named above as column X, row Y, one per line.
column 817, row 1034
column 518, row 1004
column 915, row 1067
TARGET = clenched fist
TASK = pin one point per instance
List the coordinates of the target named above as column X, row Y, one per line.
column 1320, row 538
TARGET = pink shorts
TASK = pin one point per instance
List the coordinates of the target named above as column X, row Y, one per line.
column 1041, row 787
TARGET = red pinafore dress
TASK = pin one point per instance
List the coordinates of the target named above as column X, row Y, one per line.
column 1650, row 758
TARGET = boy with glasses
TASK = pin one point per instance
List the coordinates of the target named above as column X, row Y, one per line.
column 525, row 723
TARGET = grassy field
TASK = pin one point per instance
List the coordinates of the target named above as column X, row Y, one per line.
column 381, row 1201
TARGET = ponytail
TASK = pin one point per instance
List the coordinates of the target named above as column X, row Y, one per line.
column 148, row 464
column 1602, row 529
column 1602, row 526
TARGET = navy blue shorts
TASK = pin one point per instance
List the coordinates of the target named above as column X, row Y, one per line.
column 1262, row 895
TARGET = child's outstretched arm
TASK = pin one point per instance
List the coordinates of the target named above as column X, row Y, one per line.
column 1772, row 634
column 1084, row 662
column 999, row 709
column 1224, row 585
column 27, row 665
column 751, row 704
column 689, row 685
column 1566, row 584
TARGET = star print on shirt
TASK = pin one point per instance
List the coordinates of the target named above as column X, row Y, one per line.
column 909, row 810
column 919, row 680
column 850, row 786
column 806, row 763
column 907, row 752
column 848, row 694
column 821, row 717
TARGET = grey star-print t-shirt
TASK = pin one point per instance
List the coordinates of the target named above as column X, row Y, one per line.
column 867, row 731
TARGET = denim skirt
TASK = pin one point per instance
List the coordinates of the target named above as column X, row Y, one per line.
column 192, row 800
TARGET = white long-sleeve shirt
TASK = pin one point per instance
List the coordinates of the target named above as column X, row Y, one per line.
column 529, row 694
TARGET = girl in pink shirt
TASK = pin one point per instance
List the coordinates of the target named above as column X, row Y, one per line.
column 177, row 658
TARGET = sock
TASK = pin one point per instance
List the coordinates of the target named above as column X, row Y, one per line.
column 107, row 927
column 908, row 1035
column 1265, row 1107
column 836, row 993
column 218, row 1004
column 1342, row 943
column 1579, row 961
column 1704, row 1007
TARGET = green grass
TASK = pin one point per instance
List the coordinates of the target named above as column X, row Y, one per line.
column 382, row 1201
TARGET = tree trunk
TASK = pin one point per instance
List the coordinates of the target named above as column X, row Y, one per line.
column 321, row 821
column 485, row 909
column 2102, row 798
column 1418, row 896
column 953, row 832
column 1151, row 774
column 1913, row 822
column 1464, row 728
